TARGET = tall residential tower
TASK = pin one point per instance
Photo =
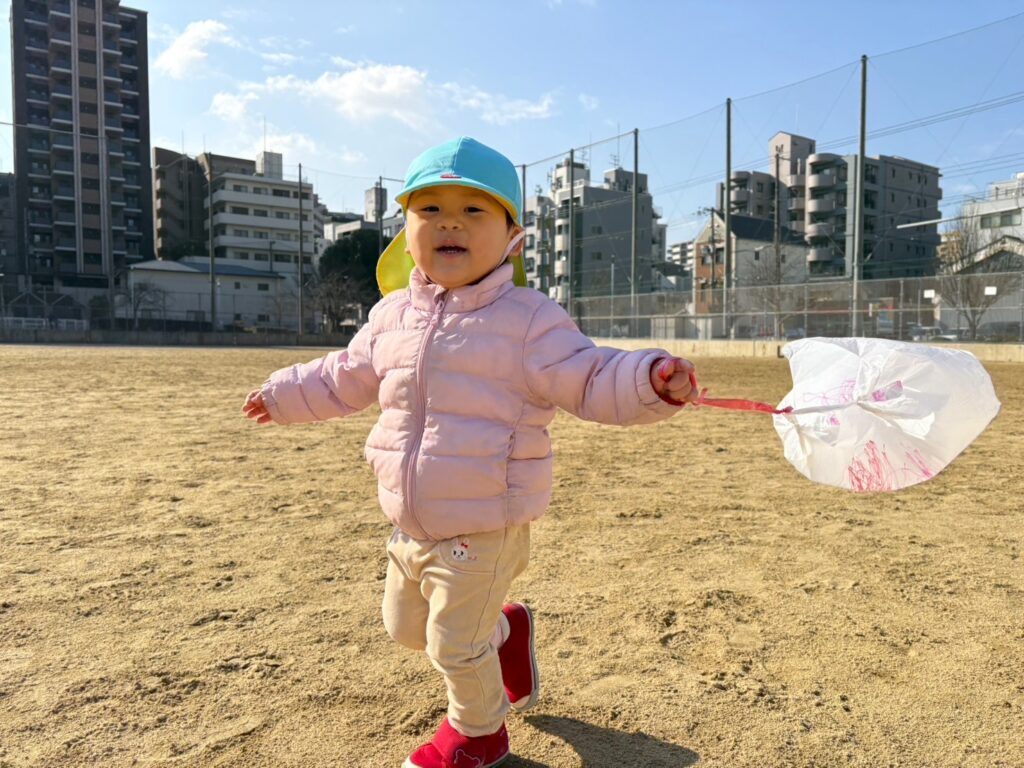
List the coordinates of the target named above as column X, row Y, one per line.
column 81, row 104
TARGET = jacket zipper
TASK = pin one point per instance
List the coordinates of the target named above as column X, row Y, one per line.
column 421, row 386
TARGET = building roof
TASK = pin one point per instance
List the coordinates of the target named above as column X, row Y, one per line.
column 203, row 268
column 753, row 228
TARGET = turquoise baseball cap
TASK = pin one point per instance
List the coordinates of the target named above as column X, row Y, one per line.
column 465, row 162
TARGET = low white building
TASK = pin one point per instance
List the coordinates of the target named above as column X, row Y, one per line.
column 175, row 295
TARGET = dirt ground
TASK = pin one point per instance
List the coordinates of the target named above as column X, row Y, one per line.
column 180, row 587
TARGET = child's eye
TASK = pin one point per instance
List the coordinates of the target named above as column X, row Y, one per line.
column 429, row 208
column 474, row 209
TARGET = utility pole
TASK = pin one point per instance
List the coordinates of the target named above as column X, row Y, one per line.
column 378, row 211
column 727, row 214
column 209, row 226
column 571, row 294
column 301, row 270
column 777, row 237
column 858, row 223
column 634, row 245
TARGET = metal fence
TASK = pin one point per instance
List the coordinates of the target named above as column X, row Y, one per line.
column 987, row 308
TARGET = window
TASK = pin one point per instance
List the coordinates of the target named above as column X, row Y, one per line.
column 85, row 28
column 281, row 193
column 238, row 287
column 262, row 318
column 237, row 209
column 259, row 212
column 87, row 82
column 240, row 232
column 259, row 190
column 263, row 286
column 239, row 188
column 243, row 255
column 282, row 215
column 261, row 235
column 86, row 56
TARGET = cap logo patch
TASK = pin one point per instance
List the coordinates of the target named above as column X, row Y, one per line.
column 450, row 176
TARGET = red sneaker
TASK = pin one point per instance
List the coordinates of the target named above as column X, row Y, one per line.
column 518, row 658
column 426, row 756
column 458, row 751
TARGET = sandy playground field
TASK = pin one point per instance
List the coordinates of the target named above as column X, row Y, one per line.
column 179, row 587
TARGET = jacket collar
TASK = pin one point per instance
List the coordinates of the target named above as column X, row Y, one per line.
column 425, row 294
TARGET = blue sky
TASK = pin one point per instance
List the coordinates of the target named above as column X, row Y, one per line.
column 355, row 90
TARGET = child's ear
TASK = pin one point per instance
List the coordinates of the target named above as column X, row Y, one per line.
column 518, row 250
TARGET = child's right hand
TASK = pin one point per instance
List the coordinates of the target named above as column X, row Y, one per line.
column 254, row 408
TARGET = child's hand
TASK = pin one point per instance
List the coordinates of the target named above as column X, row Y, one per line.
column 255, row 409
column 671, row 377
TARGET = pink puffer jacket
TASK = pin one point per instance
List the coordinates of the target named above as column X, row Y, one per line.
column 468, row 381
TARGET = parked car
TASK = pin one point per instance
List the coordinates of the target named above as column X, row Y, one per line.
column 795, row 333
column 924, row 332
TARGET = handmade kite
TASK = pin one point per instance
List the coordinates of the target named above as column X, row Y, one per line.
column 876, row 415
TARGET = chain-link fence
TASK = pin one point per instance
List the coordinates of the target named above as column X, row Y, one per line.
column 983, row 308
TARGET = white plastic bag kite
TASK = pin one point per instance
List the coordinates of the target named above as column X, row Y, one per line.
column 877, row 415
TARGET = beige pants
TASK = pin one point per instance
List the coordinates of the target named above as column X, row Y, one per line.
column 445, row 598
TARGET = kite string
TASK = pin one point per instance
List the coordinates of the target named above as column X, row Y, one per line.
column 729, row 404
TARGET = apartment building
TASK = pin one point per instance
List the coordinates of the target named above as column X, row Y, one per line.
column 179, row 186
column 816, row 196
column 82, row 164
column 999, row 214
column 8, row 239
column 258, row 216
column 602, row 252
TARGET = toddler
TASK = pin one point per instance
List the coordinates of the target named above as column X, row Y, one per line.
column 468, row 367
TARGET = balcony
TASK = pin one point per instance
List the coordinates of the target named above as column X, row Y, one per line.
column 113, row 123
column 39, row 146
column 66, row 244
column 62, row 36
column 61, row 89
column 821, row 205
column 796, row 179
column 110, row 18
column 37, row 70
column 115, row 147
column 63, row 140
column 740, row 176
column 820, row 229
column 35, row 16
column 821, row 181
column 60, row 9
column 739, row 196
column 822, row 158
column 64, row 191
column 559, row 293
column 796, row 203
column 561, row 267
column 62, row 116
column 820, row 254
column 111, row 73
column 61, row 63
column 65, row 217
column 63, row 166
column 40, row 171
column 37, row 43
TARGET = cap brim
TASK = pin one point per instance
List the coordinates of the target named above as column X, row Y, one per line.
column 403, row 197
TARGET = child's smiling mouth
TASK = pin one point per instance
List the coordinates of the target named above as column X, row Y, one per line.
column 451, row 250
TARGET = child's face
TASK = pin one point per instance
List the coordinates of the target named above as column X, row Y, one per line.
column 456, row 235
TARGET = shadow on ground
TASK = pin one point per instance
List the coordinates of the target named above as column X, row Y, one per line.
column 606, row 748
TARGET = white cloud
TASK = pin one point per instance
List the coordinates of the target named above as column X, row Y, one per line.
column 497, row 109
column 590, row 103
column 188, row 51
column 370, row 92
column 294, row 146
column 346, row 29
column 280, row 59
column 342, row 63
column 231, row 106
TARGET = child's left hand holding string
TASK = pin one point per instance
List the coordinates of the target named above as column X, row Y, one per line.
column 672, row 379
column 254, row 408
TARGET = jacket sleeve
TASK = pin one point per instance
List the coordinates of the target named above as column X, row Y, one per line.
column 601, row 384
column 338, row 384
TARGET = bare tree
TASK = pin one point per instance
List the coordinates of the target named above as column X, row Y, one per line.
column 139, row 296
column 339, row 299
column 974, row 269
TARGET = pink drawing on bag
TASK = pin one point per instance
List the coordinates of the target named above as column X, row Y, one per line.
column 873, row 470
